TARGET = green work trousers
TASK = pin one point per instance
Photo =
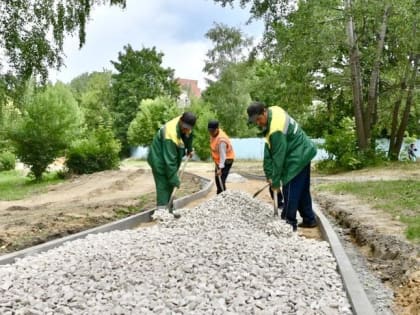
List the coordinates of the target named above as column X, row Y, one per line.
column 163, row 188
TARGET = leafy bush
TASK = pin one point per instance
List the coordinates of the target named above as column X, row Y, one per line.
column 343, row 153
column 7, row 161
column 50, row 121
column 98, row 152
column 151, row 116
column 341, row 146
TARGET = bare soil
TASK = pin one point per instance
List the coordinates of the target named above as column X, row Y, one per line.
column 91, row 200
column 79, row 204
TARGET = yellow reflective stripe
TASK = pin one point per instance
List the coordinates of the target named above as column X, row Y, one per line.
column 279, row 122
column 170, row 132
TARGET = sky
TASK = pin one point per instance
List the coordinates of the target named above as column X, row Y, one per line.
column 176, row 28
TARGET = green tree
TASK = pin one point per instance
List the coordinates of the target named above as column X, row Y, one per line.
column 151, row 116
column 347, row 48
column 32, row 32
column 139, row 76
column 51, row 120
column 231, row 46
column 94, row 95
column 229, row 95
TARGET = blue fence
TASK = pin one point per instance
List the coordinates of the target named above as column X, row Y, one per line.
column 253, row 149
column 245, row 149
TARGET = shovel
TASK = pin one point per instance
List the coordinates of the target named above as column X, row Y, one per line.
column 220, row 182
column 275, row 205
column 171, row 200
column 260, row 190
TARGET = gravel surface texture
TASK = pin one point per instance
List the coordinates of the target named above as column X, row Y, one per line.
column 226, row 256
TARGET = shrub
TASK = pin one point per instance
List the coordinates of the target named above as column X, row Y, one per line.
column 98, row 152
column 7, row 161
column 341, row 146
column 51, row 119
column 150, row 117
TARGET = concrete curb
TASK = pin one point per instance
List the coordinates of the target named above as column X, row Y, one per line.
column 181, row 202
column 123, row 224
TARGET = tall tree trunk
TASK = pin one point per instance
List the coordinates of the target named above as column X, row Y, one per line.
column 397, row 134
column 356, row 79
column 372, row 110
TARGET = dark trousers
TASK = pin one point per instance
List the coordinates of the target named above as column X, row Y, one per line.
column 297, row 197
column 225, row 172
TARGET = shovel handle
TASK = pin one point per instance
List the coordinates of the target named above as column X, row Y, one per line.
column 181, row 172
column 275, row 203
column 220, row 182
column 260, row 190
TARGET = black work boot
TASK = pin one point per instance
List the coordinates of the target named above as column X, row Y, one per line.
column 308, row 225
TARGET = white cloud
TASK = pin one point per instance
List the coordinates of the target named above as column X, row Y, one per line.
column 175, row 28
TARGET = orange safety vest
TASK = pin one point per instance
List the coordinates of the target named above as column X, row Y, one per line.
column 214, row 146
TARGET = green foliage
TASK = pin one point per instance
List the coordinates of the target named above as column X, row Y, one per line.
column 230, row 47
column 341, row 147
column 7, row 161
column 306, row 59
column 151, row 116
column 94, row 95
column 201, row 135
column 229, row 98
column 32, row 32
column 50, row 121
column 342, row 150
column 139, row 76
column 97, row 152
column 226, row 61
column 8, row 115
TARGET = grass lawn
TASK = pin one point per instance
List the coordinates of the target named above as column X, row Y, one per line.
column 400, row 198
column 15, row 186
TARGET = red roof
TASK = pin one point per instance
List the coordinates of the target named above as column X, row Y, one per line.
column 190, row 85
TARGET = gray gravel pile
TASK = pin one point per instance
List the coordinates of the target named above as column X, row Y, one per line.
column 227, row 256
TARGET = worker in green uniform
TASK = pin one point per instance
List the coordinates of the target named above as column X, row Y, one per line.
column 288, row 152
column 170, row 144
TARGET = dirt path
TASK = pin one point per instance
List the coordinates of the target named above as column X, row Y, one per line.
column 78, row 204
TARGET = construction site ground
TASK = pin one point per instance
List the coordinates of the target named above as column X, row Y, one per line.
column 87, row 201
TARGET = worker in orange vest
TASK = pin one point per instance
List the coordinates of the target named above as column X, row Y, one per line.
column 222, row 154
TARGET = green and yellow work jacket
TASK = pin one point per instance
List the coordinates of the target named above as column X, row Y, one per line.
column 287, row 148
column 167, row 150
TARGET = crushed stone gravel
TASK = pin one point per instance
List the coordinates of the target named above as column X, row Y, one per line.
column 226, row 256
